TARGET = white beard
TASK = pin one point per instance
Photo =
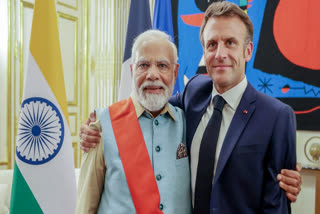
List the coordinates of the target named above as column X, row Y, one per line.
column 153, row 102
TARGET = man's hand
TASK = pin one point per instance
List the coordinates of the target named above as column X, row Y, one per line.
column 290, row 181
column 89, row 138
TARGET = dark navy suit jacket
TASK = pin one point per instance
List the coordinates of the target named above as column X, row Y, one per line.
column 260, row 141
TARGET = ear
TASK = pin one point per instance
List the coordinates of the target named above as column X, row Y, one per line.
column 248, row 51
column 176, row 71
column 131, row 70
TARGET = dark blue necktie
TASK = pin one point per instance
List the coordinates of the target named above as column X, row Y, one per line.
column 206, row 159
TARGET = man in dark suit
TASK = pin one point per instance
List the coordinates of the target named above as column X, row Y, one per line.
column 257, row 134
column 256, row 138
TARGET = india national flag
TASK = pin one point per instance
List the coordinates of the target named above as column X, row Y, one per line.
column 44, row 179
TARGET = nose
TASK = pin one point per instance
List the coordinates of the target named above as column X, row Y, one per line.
column 221, row 52
column 153, row 73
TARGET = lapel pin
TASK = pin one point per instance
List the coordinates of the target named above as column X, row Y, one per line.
column 245, row 112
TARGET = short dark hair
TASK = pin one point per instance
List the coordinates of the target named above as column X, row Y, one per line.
column 228, row 9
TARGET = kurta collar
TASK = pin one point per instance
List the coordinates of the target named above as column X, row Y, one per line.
column 140, row 109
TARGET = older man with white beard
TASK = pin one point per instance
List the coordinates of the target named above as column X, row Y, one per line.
column 141, row 164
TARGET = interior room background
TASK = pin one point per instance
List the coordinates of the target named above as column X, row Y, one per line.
column 92, row 37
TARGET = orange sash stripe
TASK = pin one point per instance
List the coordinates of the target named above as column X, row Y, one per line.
column 135, row 158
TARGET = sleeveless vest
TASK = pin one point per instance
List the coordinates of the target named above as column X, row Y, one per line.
column 162, row 136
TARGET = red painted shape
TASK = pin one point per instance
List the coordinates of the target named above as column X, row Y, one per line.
column 193, row 19
column 285, row 90
column 307, row 111
column 296, row 30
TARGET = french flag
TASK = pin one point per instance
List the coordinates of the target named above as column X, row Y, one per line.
column 138, row 22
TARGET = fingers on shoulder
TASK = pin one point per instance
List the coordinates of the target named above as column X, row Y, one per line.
column 291, row 197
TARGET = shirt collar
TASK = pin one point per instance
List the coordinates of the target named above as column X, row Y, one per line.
column 140, row 109
column 233, row 95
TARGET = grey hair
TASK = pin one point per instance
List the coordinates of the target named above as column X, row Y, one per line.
column 150, row 35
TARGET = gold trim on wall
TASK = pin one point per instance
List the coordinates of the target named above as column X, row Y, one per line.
column 68, row 5
column 74, row 114
column 85, row 69
column 75, row 154
column 4, row 164
column 115, row 54
column 9, row 89
column 74, row 19
column 23, row 5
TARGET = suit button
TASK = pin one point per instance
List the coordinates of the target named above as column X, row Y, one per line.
column 158, row 148
column 161, row 206
column 156, row 122
column 158, row 177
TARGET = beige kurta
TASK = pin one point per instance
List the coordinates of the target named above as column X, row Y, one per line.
column 93, row 168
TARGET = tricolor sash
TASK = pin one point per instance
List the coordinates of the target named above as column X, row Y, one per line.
column 135, row 158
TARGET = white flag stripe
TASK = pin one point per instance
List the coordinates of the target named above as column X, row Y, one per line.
column 52, row 183
column 125, row 81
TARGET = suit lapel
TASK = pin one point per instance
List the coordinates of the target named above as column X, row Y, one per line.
column 240, row 119
column 195, row 116
column 197, row 98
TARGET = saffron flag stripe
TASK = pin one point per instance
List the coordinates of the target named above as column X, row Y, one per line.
column 41, row 41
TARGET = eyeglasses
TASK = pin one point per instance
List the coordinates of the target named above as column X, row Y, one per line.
column 162, row 66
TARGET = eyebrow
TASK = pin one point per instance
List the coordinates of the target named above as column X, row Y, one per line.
column 224, row 39
column 142, row 59
column 157, row 60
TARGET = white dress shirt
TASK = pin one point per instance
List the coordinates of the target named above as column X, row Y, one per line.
column 232, row 98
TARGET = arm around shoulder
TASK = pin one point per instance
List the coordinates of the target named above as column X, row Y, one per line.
column 91, row 179
column 281, row 154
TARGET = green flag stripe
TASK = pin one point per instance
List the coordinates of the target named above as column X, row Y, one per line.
column 22, row 199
